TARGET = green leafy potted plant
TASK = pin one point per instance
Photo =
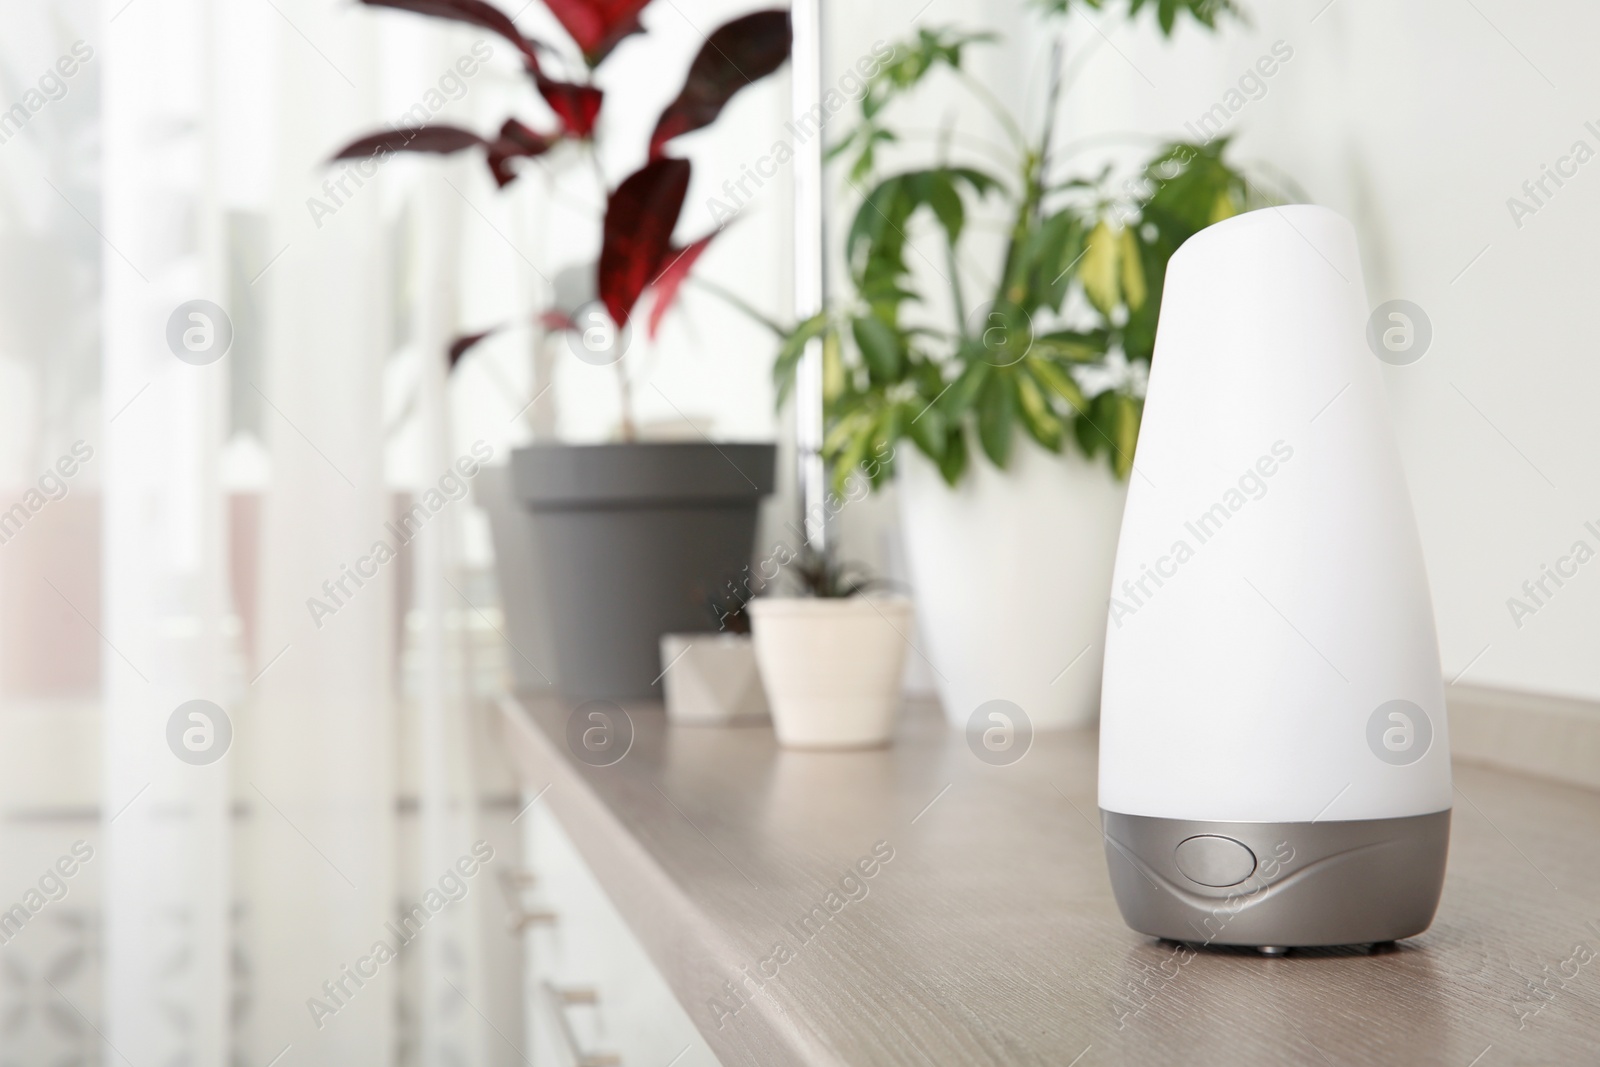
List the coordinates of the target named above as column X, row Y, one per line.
column 1021, row 412
column 832, row 658
column 630, row 535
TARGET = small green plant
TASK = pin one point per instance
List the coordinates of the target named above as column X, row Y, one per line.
column 1077, row 289
column 821, row 574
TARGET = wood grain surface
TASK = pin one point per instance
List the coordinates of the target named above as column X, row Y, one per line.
column 991, row 937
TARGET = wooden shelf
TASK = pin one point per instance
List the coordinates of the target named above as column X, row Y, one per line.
column 991, row 937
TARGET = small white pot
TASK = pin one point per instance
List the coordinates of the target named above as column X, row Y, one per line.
column 711, row 680
column 832, row 667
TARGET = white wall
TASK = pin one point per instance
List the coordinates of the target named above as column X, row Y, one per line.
column 1416, row 120
column 1419, row 121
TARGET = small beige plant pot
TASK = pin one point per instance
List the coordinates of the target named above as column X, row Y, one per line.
column 711, row 680
column 832, row 667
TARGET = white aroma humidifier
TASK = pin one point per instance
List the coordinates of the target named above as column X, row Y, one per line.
column 1274, row 756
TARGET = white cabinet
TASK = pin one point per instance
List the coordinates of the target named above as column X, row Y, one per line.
column 597, row 1000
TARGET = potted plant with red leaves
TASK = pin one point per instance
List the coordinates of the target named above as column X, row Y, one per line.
column 630, row 536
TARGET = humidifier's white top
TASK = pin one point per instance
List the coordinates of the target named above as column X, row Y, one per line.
column 1271, row 653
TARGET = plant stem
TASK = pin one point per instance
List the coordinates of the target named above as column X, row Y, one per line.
column 630, row 432
column 599, row 173
column 626, row 426
column 1058, row 50
column 1035, row 170
column 1019, row 141
column 1033, row 193
column 989, row 148
column 958, row 301
column 955, row 287
column 738, row 303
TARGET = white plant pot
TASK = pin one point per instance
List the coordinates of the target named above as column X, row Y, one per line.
column 711, row 680
column 832, row 667
column 1012, row 575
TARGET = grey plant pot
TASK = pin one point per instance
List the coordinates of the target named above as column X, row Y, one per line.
column 632, row 540
column 525, row 608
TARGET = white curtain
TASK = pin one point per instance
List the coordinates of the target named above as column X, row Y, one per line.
column 318, row 743
column 167, row 840
column 167, row 152
column 51, row 580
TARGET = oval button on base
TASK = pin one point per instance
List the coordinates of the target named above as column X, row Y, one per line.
column 1214, row 861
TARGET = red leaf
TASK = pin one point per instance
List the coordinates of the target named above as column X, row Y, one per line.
column 640, row 218
column 550, row 320
column 440, row 140
column 671, row 277
column 735, row 55
column 461, row 345
column 597, row 25
column 577, row 106
column 474, row 12
column 516, row 141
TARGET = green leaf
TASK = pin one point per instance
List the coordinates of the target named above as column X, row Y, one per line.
column 954, row 462
column 1133, row 289
column 886, row 294
column 1091, row 438
column 882, row 348
column 1223, row 207
column 1073, row 346
column 885, row 433
column 845, row 431
column 960, row 397
column 1204, row 12
column 834, row 376
column 875, row 246
column 1057, row 381
column 908, row 63
column 861, row 169
column 1186, row 183
column 852, row 416
column 927, row 376
column 877, row 216
column 997, row 416
column 1186, row 188
column 849, row 457
column 1041, row 422
column 1111, row 425
column 1126, row 411
column 926, row 426
column 946, row 203
column 1099, row 268
column 913, row 59
column 1054, row 253
column 1003, row 338
column 791, row 351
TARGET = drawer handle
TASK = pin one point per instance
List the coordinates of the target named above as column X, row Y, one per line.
column 562, row 998
column 524, row 919
column 519, row 880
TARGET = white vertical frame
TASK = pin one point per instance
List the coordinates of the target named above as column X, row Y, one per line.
column 167, row 841
column 810, row 263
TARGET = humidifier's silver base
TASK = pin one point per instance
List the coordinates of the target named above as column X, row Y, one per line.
column 1290, row 884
